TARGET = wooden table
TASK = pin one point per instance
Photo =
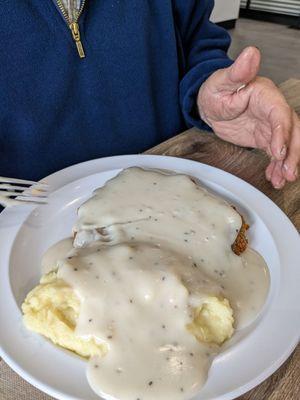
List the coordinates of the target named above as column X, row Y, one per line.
column 248, row 165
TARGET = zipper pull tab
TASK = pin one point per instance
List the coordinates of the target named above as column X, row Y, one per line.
column 76, row 36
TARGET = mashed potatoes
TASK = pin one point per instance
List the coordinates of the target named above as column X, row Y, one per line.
column 213, row 321
column 52, row 308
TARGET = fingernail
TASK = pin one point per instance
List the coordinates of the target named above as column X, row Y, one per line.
column 283, row 150
column 295, row 172
column 280, row 184
column 241, row 87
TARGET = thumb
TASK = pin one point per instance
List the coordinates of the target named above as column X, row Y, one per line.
column 242, row 71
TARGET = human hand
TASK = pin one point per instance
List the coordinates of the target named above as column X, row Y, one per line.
column 248, row 110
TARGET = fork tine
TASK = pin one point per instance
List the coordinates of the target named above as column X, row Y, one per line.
column 15, row 202
column 14, row 187
column 14, row 180
column 8, row 186
column 36, row 188
column 30, row 200
column 12, row 193
column 40, row 185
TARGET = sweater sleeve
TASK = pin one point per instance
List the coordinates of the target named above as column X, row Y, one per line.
column 204, row 48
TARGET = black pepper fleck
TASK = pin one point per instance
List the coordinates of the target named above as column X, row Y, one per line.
column 163, row 326
column 150, row 383
column 181, row 389
column 109, row 337
column 163, row 278
column 97, row 277
column 195, row 265
column 90, row 320
column 192, row 354
column 130, row 258
column 70, row 258
column 96, row 366
column 186, row 240
column 130, row 300
column 75, row 269
column 154, row 183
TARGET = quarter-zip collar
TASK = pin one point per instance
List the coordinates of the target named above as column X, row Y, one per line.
column 70, row 11
column 73, row 8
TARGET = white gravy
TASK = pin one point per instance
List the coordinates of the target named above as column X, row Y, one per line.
column 170, row 248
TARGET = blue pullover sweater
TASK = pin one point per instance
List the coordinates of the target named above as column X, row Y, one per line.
column 145, row 61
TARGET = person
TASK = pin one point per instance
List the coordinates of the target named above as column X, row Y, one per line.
column 127, row 75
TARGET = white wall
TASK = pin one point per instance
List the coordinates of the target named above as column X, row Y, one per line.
column 225, row 10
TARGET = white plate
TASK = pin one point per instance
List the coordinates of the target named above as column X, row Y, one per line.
column 252, row 355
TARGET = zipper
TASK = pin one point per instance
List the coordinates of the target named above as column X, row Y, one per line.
column 73, row 25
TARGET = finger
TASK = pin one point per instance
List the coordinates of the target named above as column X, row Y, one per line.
column 281, row 119
column 245, row 68
column 270, row 169
column 292, row 161
column 240, row 73
column 277, row 179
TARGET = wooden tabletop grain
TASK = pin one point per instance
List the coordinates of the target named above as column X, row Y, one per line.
column 250, row 166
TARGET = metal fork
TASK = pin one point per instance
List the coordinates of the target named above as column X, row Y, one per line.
column 18, row 191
